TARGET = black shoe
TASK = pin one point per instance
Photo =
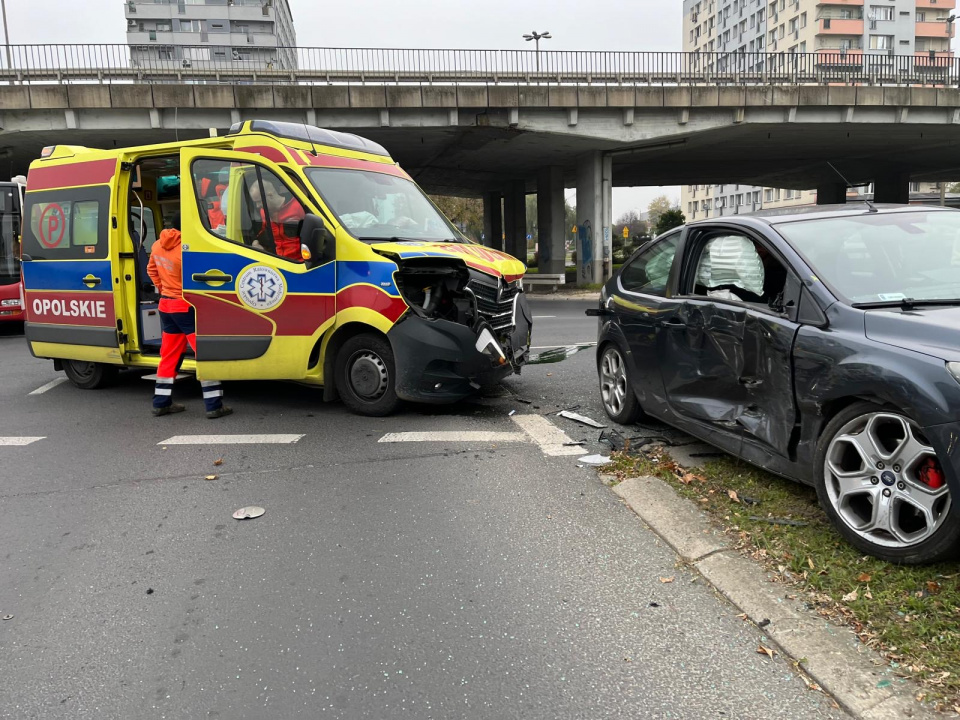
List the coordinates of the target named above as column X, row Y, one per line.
column 168, row 410
column 219, row 413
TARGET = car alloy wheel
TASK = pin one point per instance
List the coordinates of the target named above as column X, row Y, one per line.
column 613, row 381
column 884, row 481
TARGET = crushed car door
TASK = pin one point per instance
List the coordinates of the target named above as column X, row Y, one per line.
column 728, row 361
column 641, row 304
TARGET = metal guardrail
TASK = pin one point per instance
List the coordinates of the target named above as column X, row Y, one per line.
column 157, row 63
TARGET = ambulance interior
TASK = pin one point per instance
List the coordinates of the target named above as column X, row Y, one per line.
column 154, row 198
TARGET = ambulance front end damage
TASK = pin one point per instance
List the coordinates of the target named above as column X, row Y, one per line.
column 465, row 329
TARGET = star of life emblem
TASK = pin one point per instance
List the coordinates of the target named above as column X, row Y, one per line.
column 260, row 287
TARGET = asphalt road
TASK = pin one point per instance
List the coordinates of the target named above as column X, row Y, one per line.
column 444, row 579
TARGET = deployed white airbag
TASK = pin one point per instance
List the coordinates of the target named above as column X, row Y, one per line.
column 731, row 260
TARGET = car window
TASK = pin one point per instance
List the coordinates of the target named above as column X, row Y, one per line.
column 649, row 271
column 733, row 266
column 249, row 205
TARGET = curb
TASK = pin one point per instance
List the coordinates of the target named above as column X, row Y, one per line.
column 859, row 679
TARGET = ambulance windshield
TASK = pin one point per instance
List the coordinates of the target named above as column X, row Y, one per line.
column 9, row 234
column 376, row 207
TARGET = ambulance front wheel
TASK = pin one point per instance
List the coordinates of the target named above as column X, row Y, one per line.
column 366, row 375
column 89, row 375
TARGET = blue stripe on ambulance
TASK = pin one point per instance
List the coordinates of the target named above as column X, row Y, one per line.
column 378, row 274
column 66, row 275
column 318, row 280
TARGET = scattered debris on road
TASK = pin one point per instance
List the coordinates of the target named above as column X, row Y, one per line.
column 595, row 460
column 763, row 650
column 211, row 477
column 248, row 512
column 218, row 461
column 667, row 579
column 8, row 617
column 582, row 419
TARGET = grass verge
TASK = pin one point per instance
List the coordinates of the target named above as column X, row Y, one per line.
column 911, row 615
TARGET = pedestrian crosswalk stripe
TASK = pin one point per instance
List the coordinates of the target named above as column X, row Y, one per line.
column 20, row 440
column 455, row 436
column 49, row 386
column 230, row 439
column 551, row 439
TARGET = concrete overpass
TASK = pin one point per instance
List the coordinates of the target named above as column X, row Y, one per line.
column 475, row 134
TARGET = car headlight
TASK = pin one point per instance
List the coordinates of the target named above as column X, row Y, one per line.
column 954, row 368
column 10, row 302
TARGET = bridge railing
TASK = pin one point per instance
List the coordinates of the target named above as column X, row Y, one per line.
column 157, row 63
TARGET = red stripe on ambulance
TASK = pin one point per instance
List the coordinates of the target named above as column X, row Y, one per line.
column 71, row 308
column 95, row 172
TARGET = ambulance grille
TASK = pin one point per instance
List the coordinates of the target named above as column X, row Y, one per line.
column 496, row 311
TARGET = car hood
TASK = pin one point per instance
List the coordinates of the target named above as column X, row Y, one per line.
column 931, row 330
column 486, row 260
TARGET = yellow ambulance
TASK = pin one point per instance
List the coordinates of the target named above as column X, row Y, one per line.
column 309, row 255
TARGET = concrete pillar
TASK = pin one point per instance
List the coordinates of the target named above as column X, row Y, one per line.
column 892, row 188
column 594, row 201
column 492, row 220
column 515, row 221
column 551, row 220
column 607, row 200
column 831, row 193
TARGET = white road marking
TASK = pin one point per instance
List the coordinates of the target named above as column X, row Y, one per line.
column 455, row 436
column 151, row 378
column 49, row 386
column 551, row 439
column 19, row 440
column 230, row 439
column 543, row 317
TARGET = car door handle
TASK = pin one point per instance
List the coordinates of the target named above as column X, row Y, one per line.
column 673, row 324
column 90, row 281
column 212, row 277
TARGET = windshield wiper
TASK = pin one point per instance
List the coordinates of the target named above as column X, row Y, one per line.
column 907, row 303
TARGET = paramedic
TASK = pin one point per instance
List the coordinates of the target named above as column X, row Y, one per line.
column 178, row 321
column 285, row 214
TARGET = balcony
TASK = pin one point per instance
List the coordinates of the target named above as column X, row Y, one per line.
column 840, row 26
column 934, row 59
column 859, row 3
column 935, row 30
column 936, row 4
column 835, row 57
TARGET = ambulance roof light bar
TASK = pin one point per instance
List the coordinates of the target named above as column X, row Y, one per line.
column 47, row 151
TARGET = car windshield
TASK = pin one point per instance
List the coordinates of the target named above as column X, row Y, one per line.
column 883, row 257
column 376, row 207
column 9, row 235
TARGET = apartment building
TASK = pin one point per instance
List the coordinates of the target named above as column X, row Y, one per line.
column 198, row 33
column 828, row 32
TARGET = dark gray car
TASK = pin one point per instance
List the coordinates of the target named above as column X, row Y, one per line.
column 822, row 344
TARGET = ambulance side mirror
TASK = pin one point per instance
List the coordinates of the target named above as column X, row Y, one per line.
column 317, row 243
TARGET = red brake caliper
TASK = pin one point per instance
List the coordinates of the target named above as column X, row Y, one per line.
column 930, row 474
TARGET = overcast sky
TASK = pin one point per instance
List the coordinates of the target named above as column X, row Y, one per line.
column 491, row 24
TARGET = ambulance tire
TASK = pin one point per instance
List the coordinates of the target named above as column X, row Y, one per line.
column 366, row 375
column 89, row 375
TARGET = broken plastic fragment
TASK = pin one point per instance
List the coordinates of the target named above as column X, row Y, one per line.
column 248, row 512
column 211, row 477
column 595, row 460
column 8, row 617
column 580, row 419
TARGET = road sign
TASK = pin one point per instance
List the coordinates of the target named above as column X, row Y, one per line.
column 626, row 232
column 529, row 237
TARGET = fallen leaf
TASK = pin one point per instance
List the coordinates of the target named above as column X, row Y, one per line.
column 810, row 563
column 211, row 477
column 761, row 650
column 864, row 578
column 742, row 616
column 850, row 596
column 687, row 478
column 868, row 595
column 218, row 461
column 704, row 499
column 666, row 580
column 733, row 495
column 933, row 587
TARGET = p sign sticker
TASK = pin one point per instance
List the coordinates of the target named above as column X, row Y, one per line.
column 52, row 226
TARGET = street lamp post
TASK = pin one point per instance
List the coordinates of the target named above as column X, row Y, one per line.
column 536, row 37
column 6, row 34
